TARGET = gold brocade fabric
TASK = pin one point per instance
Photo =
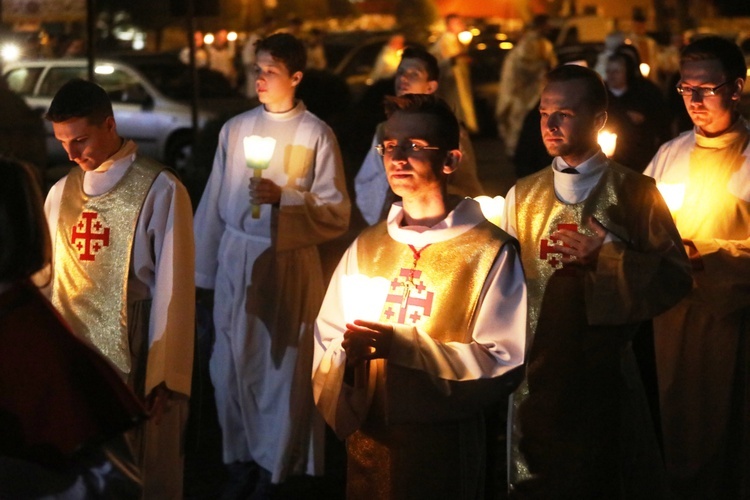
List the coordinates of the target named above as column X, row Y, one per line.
column 461, row 263
column 422, row 460
column 579, row 416
column 92, row 258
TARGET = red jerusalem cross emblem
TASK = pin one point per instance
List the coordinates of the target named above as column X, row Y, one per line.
column 89, row 236
column 409, row 297
column 548, row 248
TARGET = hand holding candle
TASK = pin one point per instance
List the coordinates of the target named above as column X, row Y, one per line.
column 258, row 153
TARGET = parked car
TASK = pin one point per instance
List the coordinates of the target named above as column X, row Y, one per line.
column 150, row 96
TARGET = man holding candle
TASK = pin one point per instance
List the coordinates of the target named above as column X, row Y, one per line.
column 423, row 321
column 266, row 271
column 601, row 254
column 702, row 344
column 122, row 243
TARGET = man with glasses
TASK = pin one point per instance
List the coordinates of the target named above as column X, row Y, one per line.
column 417, row 73
column 601, row 255
column 422, row 324
column 703, row 345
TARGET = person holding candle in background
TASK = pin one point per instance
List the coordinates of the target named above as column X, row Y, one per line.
column 601, row 255
column 702, row 345
column 266, row 272
column 122, row 246
column 422, row 324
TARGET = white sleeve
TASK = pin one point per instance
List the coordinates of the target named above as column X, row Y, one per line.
column 209, row 223
column 508, row 222
column 163, row 259
column 342, row 407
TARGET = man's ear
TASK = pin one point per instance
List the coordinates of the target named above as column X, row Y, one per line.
column 452, row 161
column 739, row 85
column 109, row 124
column 432, row 87
column 600, row 120
column 296, row 78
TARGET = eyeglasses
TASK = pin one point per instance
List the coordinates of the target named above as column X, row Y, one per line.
column 407, row 147
column 687, row 90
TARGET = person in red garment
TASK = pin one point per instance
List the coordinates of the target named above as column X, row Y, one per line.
column 63, row 408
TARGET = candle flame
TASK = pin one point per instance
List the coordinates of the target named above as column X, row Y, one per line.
column 608, row 142
column 465, row 37
column 492, row 208
column 258, row 150
column 645, row 70
column 363, row 297
column 673, row 194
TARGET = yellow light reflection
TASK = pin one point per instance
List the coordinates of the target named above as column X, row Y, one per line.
column 465, row 37
column 608, row 142
column 673, row 194
column 104, row 69
column 492, row 208
column 363, row 297
column 506, row 45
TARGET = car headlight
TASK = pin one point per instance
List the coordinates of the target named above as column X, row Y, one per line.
column 10, row 52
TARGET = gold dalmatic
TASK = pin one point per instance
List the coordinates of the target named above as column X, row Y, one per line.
column 92, row 258
column 557, row 322
column 436, row 287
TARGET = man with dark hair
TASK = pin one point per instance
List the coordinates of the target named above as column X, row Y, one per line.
column 423, row 321
column 257, row 248
column 703, row 344
column 417, row 73
column 601, row 254
column 122, row 239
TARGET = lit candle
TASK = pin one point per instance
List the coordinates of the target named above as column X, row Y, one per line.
column 645, row 70
column 465, row 37
column 673, row 194
column 492, row 208
column 608, row 142
column 258, row 153
column 363, row 297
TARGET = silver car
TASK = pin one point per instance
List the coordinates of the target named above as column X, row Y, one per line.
column 150, row 97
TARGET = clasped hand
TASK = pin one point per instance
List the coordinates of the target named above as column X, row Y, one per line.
column 157, row 402
column 264, row 191
column 578, row 248
column 364, row 340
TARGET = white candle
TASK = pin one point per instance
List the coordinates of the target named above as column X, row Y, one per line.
column 608, row 142
column 363, row 297
column 258, row 153
column 258, row 150
column 492, row 208
column 673, row 194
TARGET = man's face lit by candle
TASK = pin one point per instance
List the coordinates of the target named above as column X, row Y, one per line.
column 712, row 114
